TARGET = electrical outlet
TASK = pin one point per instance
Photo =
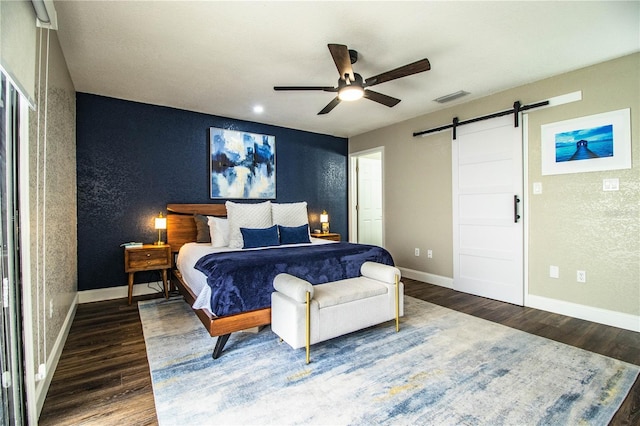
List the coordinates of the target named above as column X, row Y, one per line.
column 417, row 252
column 554, row 271
column 612, row 184
column 581, row 276
column 42, row 372
column 430, row 254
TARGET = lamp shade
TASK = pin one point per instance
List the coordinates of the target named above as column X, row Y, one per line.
column 161, row 223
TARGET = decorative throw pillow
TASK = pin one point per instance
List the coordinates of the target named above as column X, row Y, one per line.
column 290, row 214
column 202, row 229
column 219, row 227
column 254, row 238
column 294, row 234
column 246, row 216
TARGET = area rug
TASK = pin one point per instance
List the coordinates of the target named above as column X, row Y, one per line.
column 442, row 368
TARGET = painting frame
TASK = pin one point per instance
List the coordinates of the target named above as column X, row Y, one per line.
column 242, row 165
column 591, row 143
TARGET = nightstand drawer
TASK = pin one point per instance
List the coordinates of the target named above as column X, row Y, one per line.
column 147, row 258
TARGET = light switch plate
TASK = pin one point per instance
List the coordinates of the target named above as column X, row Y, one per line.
column 537, row 187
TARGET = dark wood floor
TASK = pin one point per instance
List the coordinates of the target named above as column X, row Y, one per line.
column 103, row 376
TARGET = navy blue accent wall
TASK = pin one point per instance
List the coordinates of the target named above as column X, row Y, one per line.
column 133, row 159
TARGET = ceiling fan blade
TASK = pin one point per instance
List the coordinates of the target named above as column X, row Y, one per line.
column 323, row 88
column 331, row 105
column 380, row 98
column 413, row 68
column 340, row 55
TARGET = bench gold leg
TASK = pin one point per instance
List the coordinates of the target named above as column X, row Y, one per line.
column 397, row 304
column 308, row 326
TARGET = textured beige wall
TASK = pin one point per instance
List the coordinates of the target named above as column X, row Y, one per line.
column 573, row 223
column 53, row 237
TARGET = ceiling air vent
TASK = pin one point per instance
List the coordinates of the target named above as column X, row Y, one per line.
column 451, row 96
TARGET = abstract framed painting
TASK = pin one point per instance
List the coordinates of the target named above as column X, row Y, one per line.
column 242, row 165
column 587, row 144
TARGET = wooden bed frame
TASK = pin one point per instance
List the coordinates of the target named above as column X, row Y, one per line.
column 181, row 229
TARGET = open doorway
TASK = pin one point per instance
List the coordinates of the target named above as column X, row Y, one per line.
column 366, row 201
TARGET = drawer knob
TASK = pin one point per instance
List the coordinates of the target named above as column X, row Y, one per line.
column 148, row 254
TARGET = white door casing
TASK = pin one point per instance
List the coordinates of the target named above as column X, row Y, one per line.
column 368, row 196
column 488, row 235
column 370, row 199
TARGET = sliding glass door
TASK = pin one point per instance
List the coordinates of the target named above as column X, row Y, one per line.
column 11, row 382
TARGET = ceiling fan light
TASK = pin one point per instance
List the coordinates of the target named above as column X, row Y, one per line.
column 350, row 93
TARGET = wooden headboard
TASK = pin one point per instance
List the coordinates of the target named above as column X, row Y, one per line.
column 181, row 228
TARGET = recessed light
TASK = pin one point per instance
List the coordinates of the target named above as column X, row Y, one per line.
column 258, row 109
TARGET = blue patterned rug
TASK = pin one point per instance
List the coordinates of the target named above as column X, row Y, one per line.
column 442, row 368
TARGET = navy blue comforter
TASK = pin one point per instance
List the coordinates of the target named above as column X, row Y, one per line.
column 242, row 281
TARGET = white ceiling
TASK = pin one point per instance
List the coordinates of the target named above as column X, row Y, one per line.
column 223, row 58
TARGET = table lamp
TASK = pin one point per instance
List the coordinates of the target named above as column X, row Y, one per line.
column 160, row 224
column 324, row 221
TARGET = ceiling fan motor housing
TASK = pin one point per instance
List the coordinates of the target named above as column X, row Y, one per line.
column 358, row 81
column 353, row 56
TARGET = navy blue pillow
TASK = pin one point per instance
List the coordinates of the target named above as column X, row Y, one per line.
column 260, row 237
column 294, row 234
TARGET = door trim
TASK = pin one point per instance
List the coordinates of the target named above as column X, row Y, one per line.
column 524, row 122
column 353, row 191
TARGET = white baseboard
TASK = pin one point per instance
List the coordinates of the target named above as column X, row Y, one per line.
column 427, row 277
column 42, row 387
column 100, row 294
column 589, row 313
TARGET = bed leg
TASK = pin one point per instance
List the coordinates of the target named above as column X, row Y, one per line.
column 220, row 342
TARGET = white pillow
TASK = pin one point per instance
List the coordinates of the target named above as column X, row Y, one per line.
column 246, row 216
column 219, row 230
column 290, row 214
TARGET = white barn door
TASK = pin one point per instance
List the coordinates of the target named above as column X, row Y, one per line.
column 488, row 234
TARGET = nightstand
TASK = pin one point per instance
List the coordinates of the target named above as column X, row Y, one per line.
column 149, row 257
column 330, row 236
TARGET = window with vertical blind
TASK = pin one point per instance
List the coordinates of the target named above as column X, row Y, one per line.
column 12, row 379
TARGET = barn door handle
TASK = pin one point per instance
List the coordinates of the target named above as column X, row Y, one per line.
column 516, row 216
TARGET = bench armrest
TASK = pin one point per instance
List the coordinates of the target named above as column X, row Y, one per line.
column 293, row 287
column 378, row 271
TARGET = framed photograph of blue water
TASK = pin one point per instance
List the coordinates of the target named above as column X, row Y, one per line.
column 583, row 144
column 242, row 165
column 586, row 144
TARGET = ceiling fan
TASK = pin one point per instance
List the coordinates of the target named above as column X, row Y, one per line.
column 351, row 85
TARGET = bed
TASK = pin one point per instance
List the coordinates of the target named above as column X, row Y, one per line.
column 222, row 311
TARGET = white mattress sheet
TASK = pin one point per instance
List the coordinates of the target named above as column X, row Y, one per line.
column 189, row 255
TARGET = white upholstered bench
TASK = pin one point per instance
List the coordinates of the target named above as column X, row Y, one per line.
column 303, row 314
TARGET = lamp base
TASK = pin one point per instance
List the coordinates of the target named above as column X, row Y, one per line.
column 159, row 243
column 325, row 227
